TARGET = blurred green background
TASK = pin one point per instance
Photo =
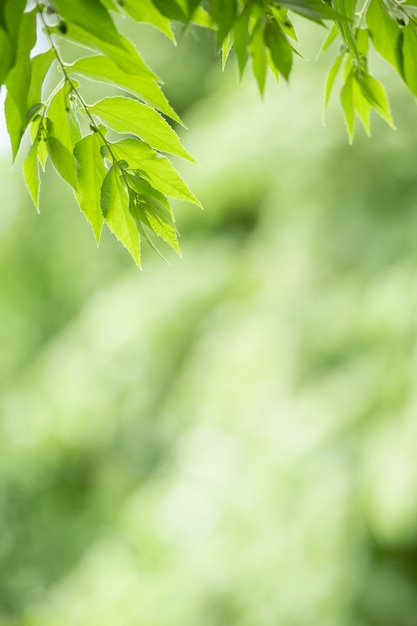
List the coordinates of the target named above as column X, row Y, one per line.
column 232, row 438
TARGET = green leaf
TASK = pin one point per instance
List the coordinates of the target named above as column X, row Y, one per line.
column 385, row 33
column 38, row 134
column 258, row 53
column 31, row 174
column 125, row 56
column 63, row 160
column 40, row 65
column 375, row 93
column 241, row 37
column 91, row 173
column 159, row 170
column 346, row 97
column 224, row 14
column 18, row 81
column 91, row 16
column 104, row 69
column 13, row 14
column 191, row 7
column 145, row 11
column 171, row 9
column 280, row 49
column 333, row 33
column 62, row 123
column 6, row 55
column 362, row 107
column 315, row 10
column 154, row 211
column 410, row 57
column 129, row 116
column 345, row 21
column 331, row 77
column 115, row 206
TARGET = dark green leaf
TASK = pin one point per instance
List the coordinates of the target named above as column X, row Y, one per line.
column 385, row 33
column 280, row 49
column 241, row 37
column 258, row 53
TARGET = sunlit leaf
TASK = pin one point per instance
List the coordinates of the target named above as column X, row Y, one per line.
column 114, row 201
column 125, row 115
column 90, row 176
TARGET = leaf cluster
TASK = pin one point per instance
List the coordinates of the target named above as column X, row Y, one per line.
column 127, row 182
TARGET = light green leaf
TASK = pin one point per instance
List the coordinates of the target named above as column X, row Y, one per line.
column 104, row 69
column 115, row 206
column 63, row 160
column 31, row 174
column 362, row 107
column 62, row 122
column 159, row 170
column 331, row 77
column 41, row 64
column 38, row 134
column 202, row 18
column 385, row 33
column 333, row 33
column 129, row 116
column 154, row 211
column 375, row 93
column 91, row 173
column 409, row 34
column 241, row 37
column 91, row 16
column 145, row 11
column 346, row 97
column 18, row 81
column 125, row 56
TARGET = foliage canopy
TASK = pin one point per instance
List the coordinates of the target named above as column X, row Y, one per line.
column 112, row 152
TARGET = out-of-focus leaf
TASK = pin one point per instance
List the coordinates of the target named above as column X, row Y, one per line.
column 280, row 49
column 409, row 48
column 258, row 53
column 346, row 97
column 385, row 33
column 146, row 11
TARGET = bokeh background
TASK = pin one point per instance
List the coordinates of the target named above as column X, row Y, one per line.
column 230, row 439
